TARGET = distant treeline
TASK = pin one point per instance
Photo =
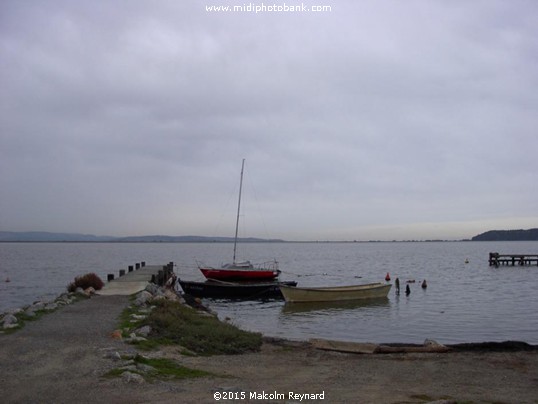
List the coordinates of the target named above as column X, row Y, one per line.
column 508, row 235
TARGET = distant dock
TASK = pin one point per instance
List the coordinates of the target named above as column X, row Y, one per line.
column 496, row 259
column 136, row 278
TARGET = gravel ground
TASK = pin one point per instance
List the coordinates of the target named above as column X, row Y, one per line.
column 62, row 357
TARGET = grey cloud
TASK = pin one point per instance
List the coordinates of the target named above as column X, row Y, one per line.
column 376, row 116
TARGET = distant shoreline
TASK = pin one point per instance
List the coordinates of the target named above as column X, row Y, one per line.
column 48, row 237
column 231, row 241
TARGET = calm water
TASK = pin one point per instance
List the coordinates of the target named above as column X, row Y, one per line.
column 463, row 302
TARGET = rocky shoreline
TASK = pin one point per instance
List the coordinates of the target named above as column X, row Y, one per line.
column 15, row 318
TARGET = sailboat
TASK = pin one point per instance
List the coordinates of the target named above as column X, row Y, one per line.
column 245, row 270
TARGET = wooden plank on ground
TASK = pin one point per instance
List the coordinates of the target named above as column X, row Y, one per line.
column 342, row 346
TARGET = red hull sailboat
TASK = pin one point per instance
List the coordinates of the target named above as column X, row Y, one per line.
column 241, row 271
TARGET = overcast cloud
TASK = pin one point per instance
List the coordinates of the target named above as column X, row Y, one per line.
column 376, row 120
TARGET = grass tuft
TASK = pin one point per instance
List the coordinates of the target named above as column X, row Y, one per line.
column 175, row 324
column 162, row 368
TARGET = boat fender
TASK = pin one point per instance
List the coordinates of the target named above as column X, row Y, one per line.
column 407, row 290
column 387, row 277
column 424, row 284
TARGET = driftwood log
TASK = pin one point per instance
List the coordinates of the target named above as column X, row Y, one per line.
column 369, row 348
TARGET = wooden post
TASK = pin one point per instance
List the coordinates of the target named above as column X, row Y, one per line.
column 143, row 263
column 110, row 277
column 122, row 272
column 130, row 268
column 137, row 265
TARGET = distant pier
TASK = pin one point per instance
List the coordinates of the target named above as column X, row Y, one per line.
column 137, row 278
column 496, row 259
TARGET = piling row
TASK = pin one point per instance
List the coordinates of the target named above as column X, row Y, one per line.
column 160, row 278
column 163, row 275
column 496, row 259
column 138, row 265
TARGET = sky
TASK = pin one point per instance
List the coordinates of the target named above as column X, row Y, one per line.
column 362, row 120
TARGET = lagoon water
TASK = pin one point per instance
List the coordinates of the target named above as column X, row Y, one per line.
column 464, row 302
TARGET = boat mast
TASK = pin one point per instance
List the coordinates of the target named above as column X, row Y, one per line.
column 238, row 209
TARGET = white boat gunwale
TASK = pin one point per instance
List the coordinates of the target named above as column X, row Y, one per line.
column 339, row 288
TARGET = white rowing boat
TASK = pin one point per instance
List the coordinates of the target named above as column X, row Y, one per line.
column 335, row 293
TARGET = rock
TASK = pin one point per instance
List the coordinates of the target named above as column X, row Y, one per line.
column 9, row 321
column 143, row 331
column 142, row 298
column 142, row 367
column 128, row 355
column 433, row 344
column 129, row 377
column 152, row 288
column 170, row 295
column 51, row 307
column 129, row 368
column 135, row 338
column 80, row 291
column 137, row 317
column 63, row 300
column 38, row 306
column 113, row 355
column 89, row 291
column 14, row 311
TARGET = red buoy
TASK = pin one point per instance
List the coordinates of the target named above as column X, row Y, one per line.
column 387, row 278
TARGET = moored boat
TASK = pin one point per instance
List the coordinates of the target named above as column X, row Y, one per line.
column 234, row 290
column 241, row 271
column 335, row 293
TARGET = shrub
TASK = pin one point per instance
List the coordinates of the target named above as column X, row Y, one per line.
column 86, row 281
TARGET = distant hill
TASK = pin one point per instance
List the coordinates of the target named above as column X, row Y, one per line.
column 508, row 235
column 35, row 236
column 189, row 239
column 46, row 236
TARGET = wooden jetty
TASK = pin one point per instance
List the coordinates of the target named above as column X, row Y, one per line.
column 496, row 259
column 136, row 279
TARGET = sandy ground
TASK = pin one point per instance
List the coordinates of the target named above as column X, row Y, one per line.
column 62, row 357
